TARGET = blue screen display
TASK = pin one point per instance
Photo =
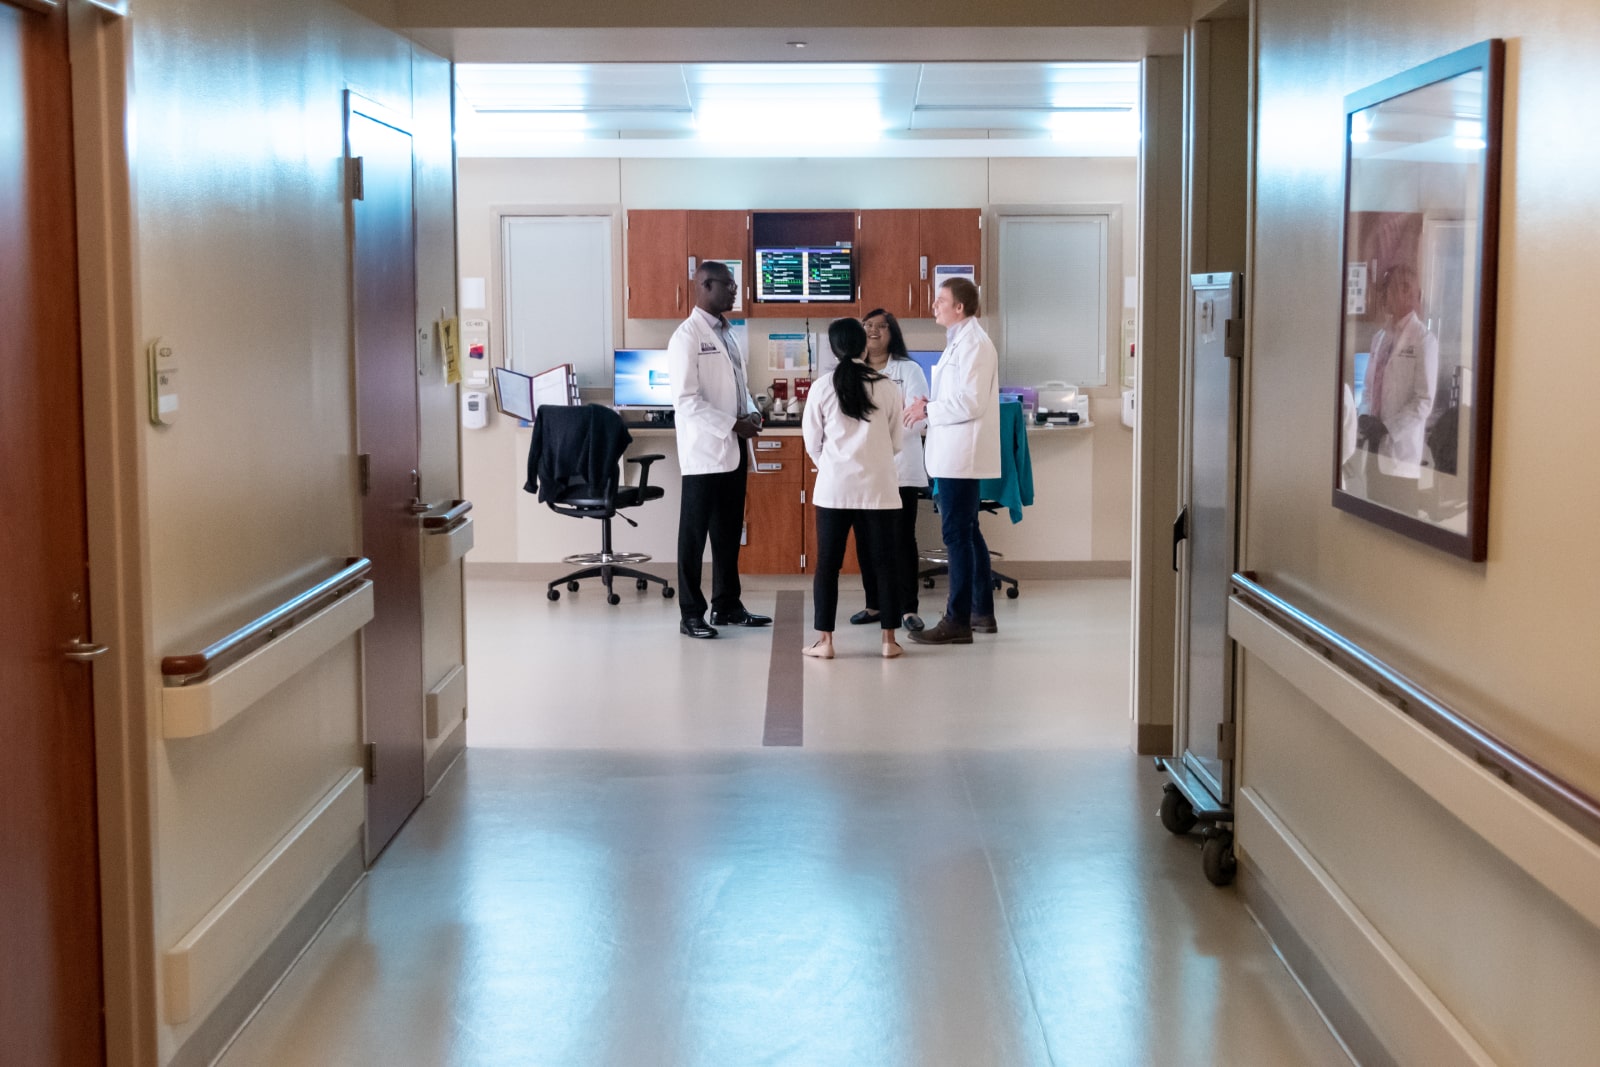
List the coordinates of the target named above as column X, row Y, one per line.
column 926, row 360
column 641, row 378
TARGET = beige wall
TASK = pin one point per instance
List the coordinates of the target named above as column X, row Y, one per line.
column 1084, row 483
column 1511, row 641
column 241, row 266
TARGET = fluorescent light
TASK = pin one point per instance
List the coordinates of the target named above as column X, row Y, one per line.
column 1100, row 127
column 786, row 120
column 1360, row 128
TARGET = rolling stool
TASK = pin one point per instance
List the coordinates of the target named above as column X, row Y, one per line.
column 941, row 561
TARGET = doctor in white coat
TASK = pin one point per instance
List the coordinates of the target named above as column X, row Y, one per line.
column 1398, row 395
column 963, row 448
column 714, row 416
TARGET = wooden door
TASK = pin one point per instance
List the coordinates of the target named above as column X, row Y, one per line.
column 718, row 235
column 772, row 513
column 950, row 235
column 384, row 285
column 888, row 255
column 852, row 563
column 658, row 265
column 50, row 969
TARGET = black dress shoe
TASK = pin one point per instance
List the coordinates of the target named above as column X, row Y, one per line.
column 695, row 626
column 739, row 618
column 862, row 617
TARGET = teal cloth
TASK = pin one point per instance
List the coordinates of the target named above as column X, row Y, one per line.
column 1013, row 490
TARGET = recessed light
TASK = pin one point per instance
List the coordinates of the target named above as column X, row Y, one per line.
column 795, row 44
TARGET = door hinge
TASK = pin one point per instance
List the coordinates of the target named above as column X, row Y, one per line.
column 802, row 496
column 358, row 178
column 1225, row 740
column 364, row 471
column 372, row 761
column 1233, row 338
column 802, row 561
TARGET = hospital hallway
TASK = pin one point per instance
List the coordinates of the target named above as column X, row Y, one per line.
column 952, row 858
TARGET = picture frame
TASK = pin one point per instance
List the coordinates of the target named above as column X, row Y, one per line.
column 1417, row 301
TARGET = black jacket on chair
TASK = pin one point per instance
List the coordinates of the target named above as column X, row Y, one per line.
column 575, row 453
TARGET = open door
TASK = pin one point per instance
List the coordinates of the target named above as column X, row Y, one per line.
column 50, row 968
column 383, row 265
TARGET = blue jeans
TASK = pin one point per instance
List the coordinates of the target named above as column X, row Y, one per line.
column 971, row 584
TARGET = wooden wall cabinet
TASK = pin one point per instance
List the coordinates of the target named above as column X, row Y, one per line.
column 665, row 247
column 899, row 248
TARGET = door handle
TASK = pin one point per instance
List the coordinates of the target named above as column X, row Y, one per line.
column 80, row 651
column 1180, row 534
column 417, row 506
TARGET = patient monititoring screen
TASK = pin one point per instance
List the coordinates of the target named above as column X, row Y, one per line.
column 641, row 378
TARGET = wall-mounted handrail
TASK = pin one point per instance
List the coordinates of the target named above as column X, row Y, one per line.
column 1560, row 798
column 191, row 667
column 436, row 522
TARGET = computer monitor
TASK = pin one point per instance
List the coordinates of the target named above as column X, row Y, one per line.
column 805, row 275
column 513, row 394
column 641, row 379
column 926, row 360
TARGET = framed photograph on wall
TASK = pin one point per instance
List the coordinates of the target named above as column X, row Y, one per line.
column 1416, row 338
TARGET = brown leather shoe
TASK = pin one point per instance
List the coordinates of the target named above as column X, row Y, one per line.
column 944, row 632
column 985, row 624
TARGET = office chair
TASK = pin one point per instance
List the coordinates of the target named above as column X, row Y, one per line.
column 937, row 556
column 573, row 466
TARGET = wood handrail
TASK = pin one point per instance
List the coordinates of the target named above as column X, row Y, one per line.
column 191, row 667
column 436, row 522
column 1555, row 795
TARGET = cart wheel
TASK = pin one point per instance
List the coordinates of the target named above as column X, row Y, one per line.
column 667, row 592
column 1217, row 858
column 612, row 598
column 1013, row 592
column 1177, row 814
column 641, row 585
column 554, row 594
column 572, row 587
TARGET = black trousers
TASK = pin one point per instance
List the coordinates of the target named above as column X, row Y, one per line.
column 903, row 555
column 712, row 507
column 875, row 540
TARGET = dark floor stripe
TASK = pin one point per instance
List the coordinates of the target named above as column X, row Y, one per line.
column 786, row 676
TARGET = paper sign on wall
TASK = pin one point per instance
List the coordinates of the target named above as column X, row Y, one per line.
column 736, row 268
column 787, row 351
column 1355, row 289
column 943, row 272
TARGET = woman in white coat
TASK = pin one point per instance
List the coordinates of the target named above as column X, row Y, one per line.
column 886, row 353
column 853, row 429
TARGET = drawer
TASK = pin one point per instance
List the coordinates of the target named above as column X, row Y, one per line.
column 770, row 447
column 787, row 470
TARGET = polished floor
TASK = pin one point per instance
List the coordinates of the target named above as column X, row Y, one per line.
column 960, row 865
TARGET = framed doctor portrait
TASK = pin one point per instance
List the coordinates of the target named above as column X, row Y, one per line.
column 1417, row 314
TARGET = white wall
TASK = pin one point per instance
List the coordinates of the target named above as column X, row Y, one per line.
column 1512, row 640
column 237, row 119
column 1084, row 485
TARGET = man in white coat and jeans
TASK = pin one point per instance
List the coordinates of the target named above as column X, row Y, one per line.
column 963, row 448
column 714, row 416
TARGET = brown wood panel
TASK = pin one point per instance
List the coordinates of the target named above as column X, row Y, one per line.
column 50, row 970
column 658, row 265
column 887, row 259
column 384, row 265
column 950, row 235
column 852, row 565
column 718, row 235
column 773, row 539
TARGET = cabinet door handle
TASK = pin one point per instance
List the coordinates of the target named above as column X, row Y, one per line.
column 910, row 300
column 677, row 297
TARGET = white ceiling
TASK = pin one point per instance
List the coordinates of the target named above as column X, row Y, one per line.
column 665, row 109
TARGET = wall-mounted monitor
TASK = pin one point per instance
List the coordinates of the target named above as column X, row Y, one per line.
column 641, row 379
column 806, row 275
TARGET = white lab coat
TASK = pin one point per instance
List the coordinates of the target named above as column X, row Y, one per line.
column 705, row 398
column 855, row 457
column 908, row 462
column 964, row 407
column 1409, row 382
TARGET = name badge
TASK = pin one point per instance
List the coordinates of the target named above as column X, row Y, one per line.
column 707, row 346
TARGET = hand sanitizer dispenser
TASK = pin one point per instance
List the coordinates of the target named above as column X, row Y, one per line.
column 474, row 409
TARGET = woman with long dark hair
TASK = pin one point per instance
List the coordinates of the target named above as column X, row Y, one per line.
column 886, row 353
column 852, row 427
